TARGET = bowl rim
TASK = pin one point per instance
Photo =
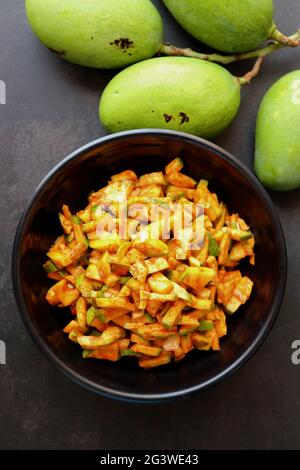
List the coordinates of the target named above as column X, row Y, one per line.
column 185, row 391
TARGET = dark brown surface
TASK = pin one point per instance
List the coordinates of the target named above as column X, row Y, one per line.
column 51, row 110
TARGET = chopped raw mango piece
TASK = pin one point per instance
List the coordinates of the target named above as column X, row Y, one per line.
column 137, row 282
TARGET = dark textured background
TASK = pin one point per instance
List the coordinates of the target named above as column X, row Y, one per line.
column 51, row 110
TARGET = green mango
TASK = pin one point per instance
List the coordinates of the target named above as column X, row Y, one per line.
column 178, row 93
column 97, row 33
column 277, row 154
column 227, row 25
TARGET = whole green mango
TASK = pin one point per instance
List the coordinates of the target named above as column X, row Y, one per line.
column 277, row 154
column 97, row 33
column 227, row 25
column 177, row 93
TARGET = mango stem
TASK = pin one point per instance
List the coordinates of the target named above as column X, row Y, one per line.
column 246, row 79
column 171, row 50
column 285, row 41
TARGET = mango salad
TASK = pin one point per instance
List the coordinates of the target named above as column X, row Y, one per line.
column 135, row 288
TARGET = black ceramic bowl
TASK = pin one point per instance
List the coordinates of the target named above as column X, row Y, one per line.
column 144, row 151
